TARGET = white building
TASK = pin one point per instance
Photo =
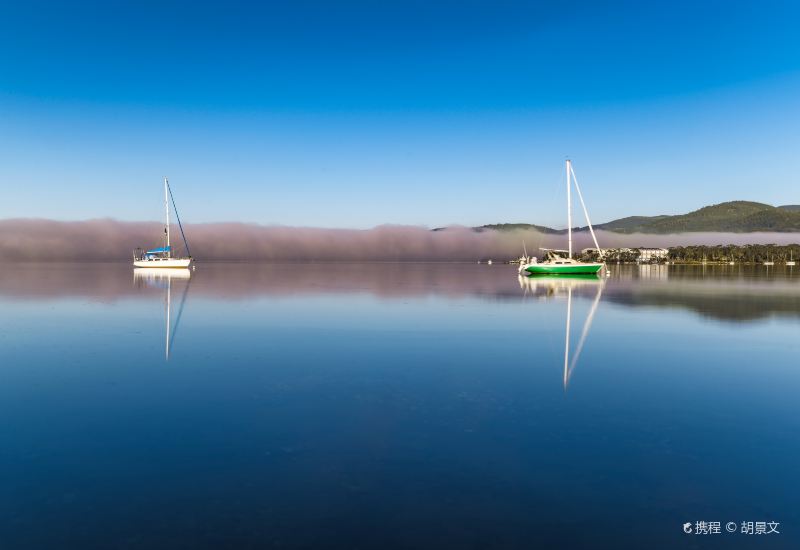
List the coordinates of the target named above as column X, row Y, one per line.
column 647, row 255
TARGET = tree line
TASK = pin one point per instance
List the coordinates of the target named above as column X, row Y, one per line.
column 749, row 253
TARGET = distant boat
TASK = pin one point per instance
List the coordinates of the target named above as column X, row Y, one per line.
column 769, row 262
column 791, row 259
column 561, row 262
column 162, row 257
column 524, row 259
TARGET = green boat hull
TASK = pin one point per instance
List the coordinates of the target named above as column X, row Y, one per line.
column 549, row 269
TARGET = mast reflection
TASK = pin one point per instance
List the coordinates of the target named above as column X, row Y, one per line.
column 564, row 285
column 154, row 277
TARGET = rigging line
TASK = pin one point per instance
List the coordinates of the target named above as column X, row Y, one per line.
column 185, row 242
column 180, row 311
column 586, row 326
column 583, row 204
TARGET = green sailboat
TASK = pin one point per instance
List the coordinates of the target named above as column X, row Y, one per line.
column 561, row 262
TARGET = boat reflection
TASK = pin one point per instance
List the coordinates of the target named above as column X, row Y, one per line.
column 717, row 293
column 154, row 277
column 564, row 285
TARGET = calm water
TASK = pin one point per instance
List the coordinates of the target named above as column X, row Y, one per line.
column 409, row 406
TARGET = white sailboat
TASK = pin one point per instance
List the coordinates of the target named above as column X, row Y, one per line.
column 162, row 257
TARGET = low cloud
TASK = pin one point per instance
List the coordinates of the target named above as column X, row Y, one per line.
column 109, row 240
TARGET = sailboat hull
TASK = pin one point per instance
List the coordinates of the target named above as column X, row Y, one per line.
column 160, row 263
column 154, row 274
column 570, row 269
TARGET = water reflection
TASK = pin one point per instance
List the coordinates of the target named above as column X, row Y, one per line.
column 304, row 402
column 715, row 292
column 550, row 287
column 153, row 277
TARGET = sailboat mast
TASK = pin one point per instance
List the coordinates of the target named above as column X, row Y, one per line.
column 166, row 210
column 569, row 207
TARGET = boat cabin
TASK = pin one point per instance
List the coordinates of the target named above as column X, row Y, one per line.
column 555, row 256
column 162, row 253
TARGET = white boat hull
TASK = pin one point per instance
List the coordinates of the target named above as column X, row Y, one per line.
column 161, row 263
column 149, row 274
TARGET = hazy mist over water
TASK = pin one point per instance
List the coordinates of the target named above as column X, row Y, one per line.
column 731, row 293
column 106, row 239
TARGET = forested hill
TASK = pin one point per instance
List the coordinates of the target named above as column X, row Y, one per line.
column 734, row 216
column 515, row 226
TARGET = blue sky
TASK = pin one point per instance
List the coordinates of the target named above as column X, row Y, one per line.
column 354, row 114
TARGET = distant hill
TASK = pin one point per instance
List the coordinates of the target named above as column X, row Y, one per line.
column 631, row 224
column 733, row 217
column 522, row 226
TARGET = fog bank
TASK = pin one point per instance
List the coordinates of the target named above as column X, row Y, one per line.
column 48, row 240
